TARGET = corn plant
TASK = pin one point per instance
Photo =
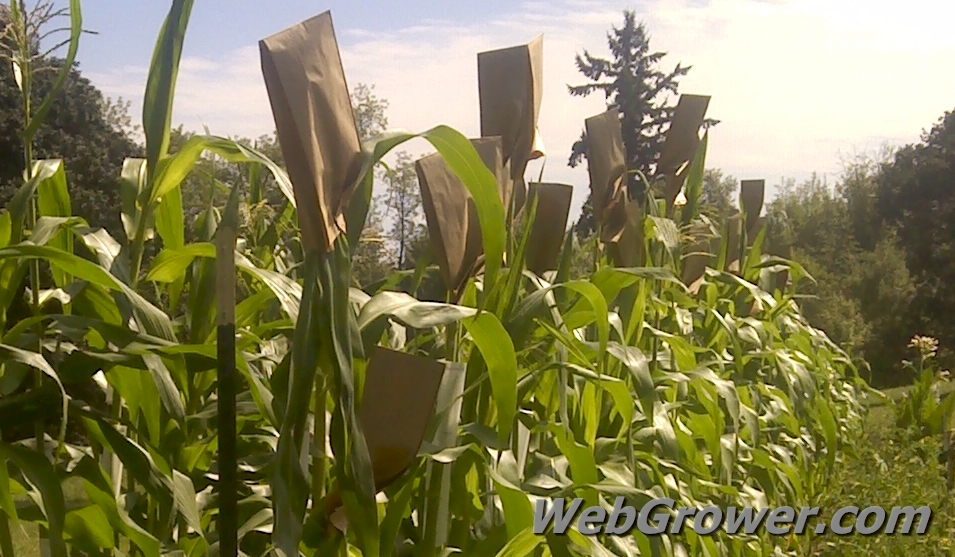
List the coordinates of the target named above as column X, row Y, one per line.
column 924, row 411
column 631, row 382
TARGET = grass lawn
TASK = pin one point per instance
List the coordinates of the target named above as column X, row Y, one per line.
column 896, row 393
column 25, row 535
column 889, row 470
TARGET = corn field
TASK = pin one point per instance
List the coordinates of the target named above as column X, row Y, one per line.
column 414, row 422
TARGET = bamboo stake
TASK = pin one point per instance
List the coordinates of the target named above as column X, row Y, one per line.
column 225, row 318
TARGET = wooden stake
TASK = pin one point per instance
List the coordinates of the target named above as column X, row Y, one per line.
column 225, row 321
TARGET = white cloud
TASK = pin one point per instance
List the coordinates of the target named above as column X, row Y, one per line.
column 797, row 84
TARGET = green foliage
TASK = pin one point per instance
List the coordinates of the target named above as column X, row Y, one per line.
column 631, row 82
column 401, row 203
column 372, row 261
column 886, row 467
column 78, row 129
column 862, row 290
column 718, row 194
column 922, row 410
column 370, row 111
column 915, row 195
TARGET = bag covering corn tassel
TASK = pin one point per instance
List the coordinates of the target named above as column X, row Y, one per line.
column 315, row 125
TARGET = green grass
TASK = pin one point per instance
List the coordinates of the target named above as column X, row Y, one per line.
column 887, row 470
column 896, row 393
column 25, row 535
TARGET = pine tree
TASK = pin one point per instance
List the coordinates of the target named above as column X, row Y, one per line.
column 632, row 83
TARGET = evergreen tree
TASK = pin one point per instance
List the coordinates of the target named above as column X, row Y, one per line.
column 631, row 82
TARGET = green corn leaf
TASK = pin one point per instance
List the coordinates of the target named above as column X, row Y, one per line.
column 104, row 247
column 184, row 494
column 170, row 265
column 89, row 529
column 42, row 476
column 496, row 348
column 464, row 161
column 161, row 84
column 132, row 185
column 166, row 387
column 518, row 511
column 136, row 459
column 174, row 168
column 523, row 544
column 38, row 362
column 99, row 490
column 171, row 228
column 582, row 463
column 694, row 182
column 149, row 318
column 141, row 396
column 352, row 460
column 19, row 205
column 290, row 479
column 410, row 312
column 53, row 200
column 395, row 512
column 7, row 505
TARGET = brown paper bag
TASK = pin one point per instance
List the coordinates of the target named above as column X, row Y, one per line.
column 397, row 405
column 734, row 232
column 510, row 83
column 751, row 194
column 453, row 225
column 754, row 230
column 627, row 250
column 550, row 223
column 607, row 166
column 491, row 151
column 315, row 124
column 682, row 140
column 615, row 215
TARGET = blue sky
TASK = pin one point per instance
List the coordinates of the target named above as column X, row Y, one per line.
column 800, row 85
column 125, row 27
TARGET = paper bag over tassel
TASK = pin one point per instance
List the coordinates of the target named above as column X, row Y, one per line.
column 397, row 405
column 682, row 140
column 627, row 250
column 453, row 225
column 510, row 83
column 607, row 166
column 734, row 233
column 315, row 125
column 491, row 151
column 550, row 222
column 751, row 194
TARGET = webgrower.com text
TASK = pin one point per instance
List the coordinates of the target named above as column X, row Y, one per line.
column 662, row 516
